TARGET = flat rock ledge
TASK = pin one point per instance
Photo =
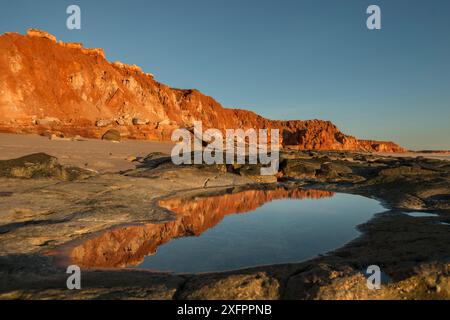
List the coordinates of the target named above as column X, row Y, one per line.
column 44, row 206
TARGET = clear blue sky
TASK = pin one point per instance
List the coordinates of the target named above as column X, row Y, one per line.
column 283, row 59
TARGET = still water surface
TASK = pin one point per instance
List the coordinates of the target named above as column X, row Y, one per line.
column 233, row 231
column 281, row 231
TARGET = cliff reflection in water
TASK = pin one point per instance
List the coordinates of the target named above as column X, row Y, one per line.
column 128, row 246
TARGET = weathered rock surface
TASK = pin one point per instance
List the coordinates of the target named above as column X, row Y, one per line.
column 89, row 93
column 40, row 216
column 40, row 165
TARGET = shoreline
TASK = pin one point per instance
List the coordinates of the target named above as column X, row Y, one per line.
column 107, row 156
column 40, row 215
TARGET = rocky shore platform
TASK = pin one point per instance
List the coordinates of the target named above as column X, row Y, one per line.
column 51, row 200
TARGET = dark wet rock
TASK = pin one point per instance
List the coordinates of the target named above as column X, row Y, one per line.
column 36, row 165
column 439, row 201
column 330, row 170
column 300, row 168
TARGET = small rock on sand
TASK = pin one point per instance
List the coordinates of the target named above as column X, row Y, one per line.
column 112, row 135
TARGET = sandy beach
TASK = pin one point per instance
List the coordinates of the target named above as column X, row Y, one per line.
column 98, row 155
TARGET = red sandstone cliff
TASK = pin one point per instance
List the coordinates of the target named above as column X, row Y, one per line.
column 47, row 85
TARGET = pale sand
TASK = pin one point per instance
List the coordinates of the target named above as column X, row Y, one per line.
column 102, row 156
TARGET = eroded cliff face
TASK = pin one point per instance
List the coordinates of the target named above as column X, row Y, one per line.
column 129, row 245
column 64, row 88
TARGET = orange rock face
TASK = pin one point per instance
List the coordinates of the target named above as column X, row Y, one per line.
column 46, row 85
column 129, row 245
